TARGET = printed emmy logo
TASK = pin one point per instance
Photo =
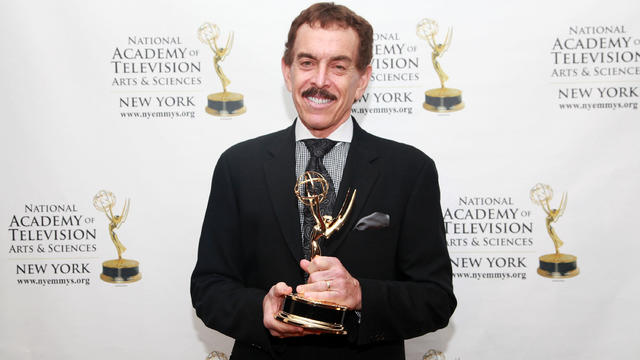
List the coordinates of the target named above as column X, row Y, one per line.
column 217, row 355
column 118, row 270
column 224, row 103
column 434, row 355
column 556, row 265
column 442, row 99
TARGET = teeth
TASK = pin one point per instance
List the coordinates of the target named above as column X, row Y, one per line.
column 319, row 100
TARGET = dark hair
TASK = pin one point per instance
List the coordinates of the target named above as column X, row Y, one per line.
column 327, row 15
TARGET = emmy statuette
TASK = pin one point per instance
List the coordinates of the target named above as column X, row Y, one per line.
column 442, row 99
column 118, row 270
column 224, row 103
column 311, row 189
column 556, row 265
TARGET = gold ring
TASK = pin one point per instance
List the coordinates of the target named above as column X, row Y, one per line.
column 328, row 284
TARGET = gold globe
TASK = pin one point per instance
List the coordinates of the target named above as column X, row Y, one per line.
column 104, row 200
column 311, row 187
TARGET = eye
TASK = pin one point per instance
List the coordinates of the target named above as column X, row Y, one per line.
column 340, row 68
column 306, row 63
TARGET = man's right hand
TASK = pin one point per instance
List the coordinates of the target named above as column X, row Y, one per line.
column 271, row 304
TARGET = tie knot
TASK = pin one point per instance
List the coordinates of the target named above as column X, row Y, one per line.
column 319, row 147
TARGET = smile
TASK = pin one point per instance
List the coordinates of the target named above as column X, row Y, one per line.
column 319, row 101
column 318, row 96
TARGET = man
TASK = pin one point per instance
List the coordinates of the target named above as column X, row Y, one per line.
column 388, row 264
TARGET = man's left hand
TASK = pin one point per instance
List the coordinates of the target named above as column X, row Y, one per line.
column 330, row 281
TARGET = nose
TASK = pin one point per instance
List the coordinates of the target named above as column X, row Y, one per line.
column 321, row 76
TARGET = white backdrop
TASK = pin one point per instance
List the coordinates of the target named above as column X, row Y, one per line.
column 537, row 110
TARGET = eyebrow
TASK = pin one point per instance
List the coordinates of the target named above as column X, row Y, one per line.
column 335, row 58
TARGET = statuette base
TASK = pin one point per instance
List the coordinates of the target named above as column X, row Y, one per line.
column 443, row 100
column 120, row 271
column 558, row 266
column 225, row 104
column 313, row 315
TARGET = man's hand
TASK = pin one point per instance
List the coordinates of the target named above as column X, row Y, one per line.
column 330, row 281
column 271, row 304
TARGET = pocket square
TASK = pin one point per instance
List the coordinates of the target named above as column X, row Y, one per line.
column 375, row 220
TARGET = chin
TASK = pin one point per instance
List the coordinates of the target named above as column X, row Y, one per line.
column 316, row 125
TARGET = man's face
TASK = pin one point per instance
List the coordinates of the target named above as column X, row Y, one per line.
column 323, row 77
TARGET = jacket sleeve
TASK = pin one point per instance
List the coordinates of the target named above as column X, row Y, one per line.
column 420, row 299
column 218, row 292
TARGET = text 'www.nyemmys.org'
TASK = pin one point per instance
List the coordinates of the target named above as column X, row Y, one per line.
column 490, row 275
column 54, row 282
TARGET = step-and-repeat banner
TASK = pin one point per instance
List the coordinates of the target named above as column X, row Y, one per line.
column 112, row 123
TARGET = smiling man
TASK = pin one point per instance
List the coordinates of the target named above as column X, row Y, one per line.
column 388, row 264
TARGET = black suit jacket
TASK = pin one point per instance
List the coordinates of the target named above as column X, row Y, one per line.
column 251, row 240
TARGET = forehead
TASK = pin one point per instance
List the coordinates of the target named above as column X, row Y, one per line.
column 331, row 41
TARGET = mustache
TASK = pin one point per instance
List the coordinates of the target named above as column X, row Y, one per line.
column 314, row 92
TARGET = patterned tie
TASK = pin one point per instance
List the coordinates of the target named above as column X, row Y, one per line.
column 318, row 148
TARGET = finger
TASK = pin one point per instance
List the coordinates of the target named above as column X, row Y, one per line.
column 315, row 286
column 328, row 296
column 304, row 264
column 281, row 289
column 341, row 285
column 281, row 329
column 321, row 263
column 317, row 264
column 323, row 275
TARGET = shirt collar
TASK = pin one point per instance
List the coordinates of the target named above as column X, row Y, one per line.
column 344, row 133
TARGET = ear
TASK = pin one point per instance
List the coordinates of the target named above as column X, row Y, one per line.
column 363, row 81
column 286, row 73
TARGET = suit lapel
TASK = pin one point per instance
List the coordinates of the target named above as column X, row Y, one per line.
column 360, row 173
column 280, row 176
